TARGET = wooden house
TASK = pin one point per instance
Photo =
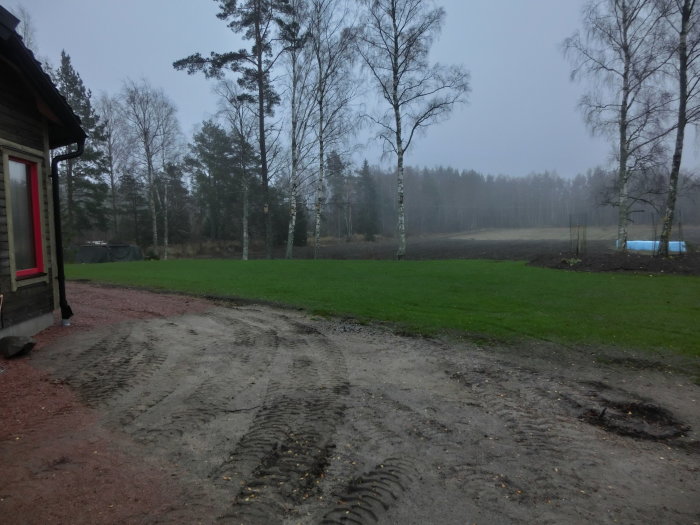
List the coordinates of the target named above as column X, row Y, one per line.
column 34, row 119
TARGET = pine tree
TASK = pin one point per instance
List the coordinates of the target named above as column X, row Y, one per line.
column 177, row 204
column 256, row 19
column 367, row 213
column 211, row 165
column 84, row 191
column 341, row 195
column 133, row 209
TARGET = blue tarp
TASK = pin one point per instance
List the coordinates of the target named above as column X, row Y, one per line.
column 653, row 246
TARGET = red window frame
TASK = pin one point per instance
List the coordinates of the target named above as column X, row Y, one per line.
column 35, row 204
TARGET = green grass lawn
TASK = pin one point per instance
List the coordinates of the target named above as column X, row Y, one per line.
column 504, row 300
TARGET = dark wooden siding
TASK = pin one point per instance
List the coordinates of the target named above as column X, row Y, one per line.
column 21, row 123
column 27, row 303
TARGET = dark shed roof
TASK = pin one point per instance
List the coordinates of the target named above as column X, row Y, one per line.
column 64, row 125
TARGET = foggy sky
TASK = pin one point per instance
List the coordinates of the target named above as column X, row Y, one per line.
column 521, row 116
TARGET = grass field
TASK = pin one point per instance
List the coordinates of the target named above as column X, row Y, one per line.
column 503, row 300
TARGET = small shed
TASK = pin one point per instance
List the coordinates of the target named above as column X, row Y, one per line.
column 34, row 119
column 104, row 252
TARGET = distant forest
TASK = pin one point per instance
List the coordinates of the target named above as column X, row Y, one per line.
column 363, row 202
column 444, row 200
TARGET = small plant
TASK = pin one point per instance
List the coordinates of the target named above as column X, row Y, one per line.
column 571, row 261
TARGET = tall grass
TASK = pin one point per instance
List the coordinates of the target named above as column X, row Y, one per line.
column 505, row 300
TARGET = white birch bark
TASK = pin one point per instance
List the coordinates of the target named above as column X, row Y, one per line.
column 165, row 220
column 622, row 50
column 150, row 120
column 394, row 44
column 331, row 45
column 688, row 52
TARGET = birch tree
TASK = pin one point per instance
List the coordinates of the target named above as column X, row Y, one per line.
column 241, row 118
column 171, row 145
column 257, row 20
column 332, row 44
column 295, row 35
column 152, row 125
column 114, row 150
column 621, row 51
column 394, row 44
column 683, row 26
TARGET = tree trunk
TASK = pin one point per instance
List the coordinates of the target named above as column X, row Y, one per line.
column 154, row 221
column 292, row 219
column 622, row 216
column 401, row 252
column 348, row 220
column 295, row 161
column 152, row 200
column 165, row 222
column 669, row 211
column 244, row 255
column 320, row 190
column 293, row 188
column 623, row 176
column 112, row 185
column 401, row 210
column 264, row 175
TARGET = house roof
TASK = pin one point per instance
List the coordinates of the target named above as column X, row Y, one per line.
column 64, row 125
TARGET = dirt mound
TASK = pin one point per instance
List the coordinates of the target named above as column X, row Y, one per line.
column 549, row 253
column 687, row 264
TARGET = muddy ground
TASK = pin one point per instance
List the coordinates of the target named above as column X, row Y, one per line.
column 223, row 413
column 547, row 247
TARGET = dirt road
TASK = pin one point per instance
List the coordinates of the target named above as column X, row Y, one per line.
column 258, row 415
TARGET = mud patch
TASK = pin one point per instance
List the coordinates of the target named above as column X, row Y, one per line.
column 638, row 420
column 623, row 413
column 634, row 363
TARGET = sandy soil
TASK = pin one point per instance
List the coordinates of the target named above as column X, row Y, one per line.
column 249, row 414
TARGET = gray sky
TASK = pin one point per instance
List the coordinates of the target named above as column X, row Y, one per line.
column 521, row 116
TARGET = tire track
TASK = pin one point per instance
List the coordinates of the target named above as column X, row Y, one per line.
column 515, row 398
column 278, row 462
column 113, row 365
column 368, row 496
column 186, row 406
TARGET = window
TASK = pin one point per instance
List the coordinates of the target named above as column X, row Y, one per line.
column 26, row 219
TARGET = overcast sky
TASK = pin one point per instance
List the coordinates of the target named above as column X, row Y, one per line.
column 521, row 116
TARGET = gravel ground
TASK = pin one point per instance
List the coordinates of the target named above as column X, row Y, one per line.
column 166, row 409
